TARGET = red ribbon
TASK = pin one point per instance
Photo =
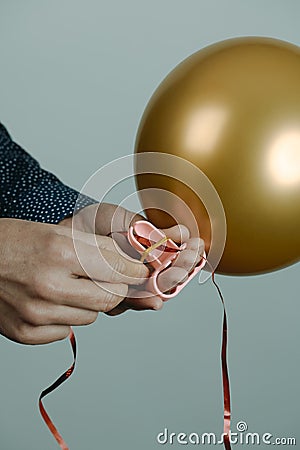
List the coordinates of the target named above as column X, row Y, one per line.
column 51, row 388
column 225, row 379
column 225, row 376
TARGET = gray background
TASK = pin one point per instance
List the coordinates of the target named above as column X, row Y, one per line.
column 75, row 78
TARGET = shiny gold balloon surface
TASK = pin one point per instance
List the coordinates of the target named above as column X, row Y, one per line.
column 233, row 110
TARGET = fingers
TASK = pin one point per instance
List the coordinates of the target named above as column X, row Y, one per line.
column 84, row 294
column 31, row 335
column 106, row 265
column 178, row 233
column 110, row 265
column 118, row 310
column 110, row 218
column 140, row 301
column 39, row 313
column 22, row 332
column 184, row 263
column 191, row 256
column 187, row 259
column 103, row 242
column 182, row 266
column 171, row 277
column 96, row 257
column 195, row 244
column 124, row 244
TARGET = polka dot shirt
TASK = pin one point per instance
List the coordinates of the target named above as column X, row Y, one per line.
column 28, row 192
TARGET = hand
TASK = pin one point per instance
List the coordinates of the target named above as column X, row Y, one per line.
column 106, row 218
column 43, row 287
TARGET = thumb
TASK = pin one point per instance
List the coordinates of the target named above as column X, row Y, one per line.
column 112, row 218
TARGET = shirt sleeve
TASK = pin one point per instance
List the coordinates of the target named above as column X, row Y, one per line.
column 29, row 192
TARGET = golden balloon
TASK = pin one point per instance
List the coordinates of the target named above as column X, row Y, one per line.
column 233, row 110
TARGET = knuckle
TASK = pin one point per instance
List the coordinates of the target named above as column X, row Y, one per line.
column 121, row 267
column 141, row 270
column 118, row 267
column 137, row 272
column 41, row 289
column 44, row 286
column 108, row 303
column 52, row 244
column 57, row 247
column 23, row 334
column 111, row 299
column 31, row 314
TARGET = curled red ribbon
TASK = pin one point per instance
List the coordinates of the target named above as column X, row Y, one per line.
column 225, row 376
column 51, row 388
column 225, row 379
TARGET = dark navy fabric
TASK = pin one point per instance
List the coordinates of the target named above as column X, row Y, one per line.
column 29, row 192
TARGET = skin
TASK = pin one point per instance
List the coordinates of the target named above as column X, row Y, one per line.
column 45, row 288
